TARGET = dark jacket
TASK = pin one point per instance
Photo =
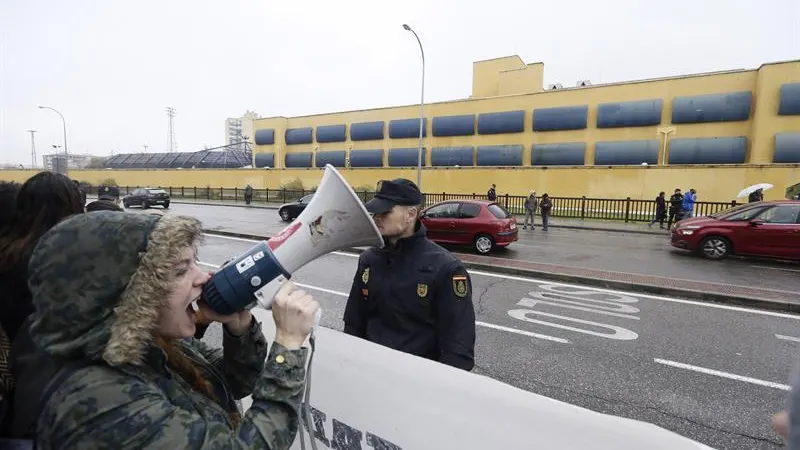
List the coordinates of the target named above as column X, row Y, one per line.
column 124, row 395
column 545, row 205
column 416, row 298
column 675, row 203
column 661, row 206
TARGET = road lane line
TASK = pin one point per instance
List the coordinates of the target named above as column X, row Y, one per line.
column 775, row 268
column 608, row 291
column 787, row 338
column 719, row 373
column 482, row 324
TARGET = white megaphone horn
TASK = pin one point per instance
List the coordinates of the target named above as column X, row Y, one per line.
column 334, row 219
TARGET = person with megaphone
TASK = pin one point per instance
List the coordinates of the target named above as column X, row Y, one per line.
column 411, row 294
column 114, row 295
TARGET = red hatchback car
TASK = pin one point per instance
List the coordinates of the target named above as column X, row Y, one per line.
column 764, row 229
column 482, row 224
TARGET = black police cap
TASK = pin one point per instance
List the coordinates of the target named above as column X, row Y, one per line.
column 108, row 193
column 389, row 193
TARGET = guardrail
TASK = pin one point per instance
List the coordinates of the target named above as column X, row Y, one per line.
column 622, row 209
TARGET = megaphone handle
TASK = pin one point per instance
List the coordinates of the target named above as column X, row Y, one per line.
column 266, row 295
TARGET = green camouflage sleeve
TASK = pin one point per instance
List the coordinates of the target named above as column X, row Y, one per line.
column 107, row 409
column 240, row 360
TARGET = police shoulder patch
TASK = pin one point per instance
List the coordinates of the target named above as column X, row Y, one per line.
column 422, row 289
column 460, row 285
column 365, row 275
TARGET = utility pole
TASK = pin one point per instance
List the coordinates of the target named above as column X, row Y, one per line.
column 33, row 149
column 145, row 147
column 171, row 128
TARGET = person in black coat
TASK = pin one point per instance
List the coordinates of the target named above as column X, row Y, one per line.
column 661, row 210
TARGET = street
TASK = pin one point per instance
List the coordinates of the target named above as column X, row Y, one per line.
column 711, row 372
column 605, row 250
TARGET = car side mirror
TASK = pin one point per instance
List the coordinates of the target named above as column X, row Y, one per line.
column 757, row 222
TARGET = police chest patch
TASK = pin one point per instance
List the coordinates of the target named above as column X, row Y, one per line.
column 365, row 276
column 422, row 290
column 460, row 285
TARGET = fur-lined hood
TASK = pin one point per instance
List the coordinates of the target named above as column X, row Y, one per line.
column 98, row 282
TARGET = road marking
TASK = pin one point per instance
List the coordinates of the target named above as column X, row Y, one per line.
column 775, row 268
column 787, row 338
column 482, row 324
column 718, row 373
column 610, row 291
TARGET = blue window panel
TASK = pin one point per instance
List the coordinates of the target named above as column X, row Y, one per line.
column 452, row 156
column 501, row 122
column 405, row 157
column 331, row 133
column 640, row 113
column 407, row 128
column 721, row 150
column 332, row 157
column 366, row 131
column 296, row 136
column 624, row 153
column 454, row 125
column 563, row 118
column 790, row 99
column 265, row 160
column 366, row 158
column 298, row 159
column 564, row 154
column 787, row 148
column 265, row 136
column 500, row 155
column 730, row 107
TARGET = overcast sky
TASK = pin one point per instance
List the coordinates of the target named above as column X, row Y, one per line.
column 111, row 67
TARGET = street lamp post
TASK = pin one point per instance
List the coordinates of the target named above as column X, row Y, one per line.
column 421, row 109
column 64, row 123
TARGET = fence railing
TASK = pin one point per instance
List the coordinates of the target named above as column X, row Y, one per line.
column 622, row 209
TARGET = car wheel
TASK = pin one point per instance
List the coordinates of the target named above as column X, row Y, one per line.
column 166, row 205
column 145, row 204
column 285, row 215
column 715, row 247
column 125, row 204
column 484, row 244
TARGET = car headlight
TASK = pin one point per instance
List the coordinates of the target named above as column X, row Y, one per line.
column 689, row 230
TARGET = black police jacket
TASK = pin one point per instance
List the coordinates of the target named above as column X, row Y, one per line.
column 415, row 298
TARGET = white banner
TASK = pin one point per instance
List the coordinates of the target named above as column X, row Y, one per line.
column 365, row 396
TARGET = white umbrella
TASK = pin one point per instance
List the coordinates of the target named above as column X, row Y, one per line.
column 749, row 190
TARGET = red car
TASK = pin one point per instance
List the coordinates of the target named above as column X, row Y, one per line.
column 764, row 229
column 482, row 224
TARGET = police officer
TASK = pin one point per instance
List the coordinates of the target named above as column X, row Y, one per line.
column 107, row 199
column 411, row 295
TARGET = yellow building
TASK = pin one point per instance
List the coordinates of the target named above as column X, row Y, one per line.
column 715, row 132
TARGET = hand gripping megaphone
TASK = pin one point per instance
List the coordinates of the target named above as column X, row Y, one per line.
column 334, row 219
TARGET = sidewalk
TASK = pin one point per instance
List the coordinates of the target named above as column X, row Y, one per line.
column 768, row 299
column 555, row 222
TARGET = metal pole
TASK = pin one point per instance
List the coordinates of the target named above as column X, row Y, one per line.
column 421, row 109
column 64, row 124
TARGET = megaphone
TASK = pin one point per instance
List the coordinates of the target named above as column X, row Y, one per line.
column 334, row 219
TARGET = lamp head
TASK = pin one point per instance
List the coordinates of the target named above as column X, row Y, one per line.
column 406, row 27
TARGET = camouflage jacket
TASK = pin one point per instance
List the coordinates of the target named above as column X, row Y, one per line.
column 98, row 280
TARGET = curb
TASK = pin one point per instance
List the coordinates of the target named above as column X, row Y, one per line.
column 569, row 227
column 710, row 297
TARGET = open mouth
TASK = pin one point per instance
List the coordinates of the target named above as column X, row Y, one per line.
column 192, row 310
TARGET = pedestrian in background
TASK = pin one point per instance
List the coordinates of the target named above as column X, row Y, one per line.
column 411, row 295
column 248, row 194
column 545, row 207
column 107, row 199
column 492, row 194
column 661, row 210
column 688, row 203
column 675, row 208
column 531, row 204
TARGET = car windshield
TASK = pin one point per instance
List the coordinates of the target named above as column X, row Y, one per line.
column 498, row 211
column 157, row 191
column 730, row 211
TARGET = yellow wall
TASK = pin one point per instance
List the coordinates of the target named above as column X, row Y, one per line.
column 712, row 183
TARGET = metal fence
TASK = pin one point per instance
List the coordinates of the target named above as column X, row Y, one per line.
column 621, row 209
